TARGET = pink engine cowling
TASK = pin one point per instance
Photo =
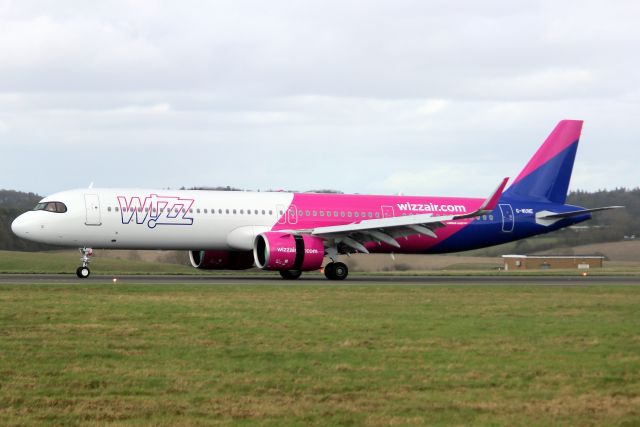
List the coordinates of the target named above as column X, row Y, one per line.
column 276, row 250
column 221, row 260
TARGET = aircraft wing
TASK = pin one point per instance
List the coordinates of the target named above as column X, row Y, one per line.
column 386, row 230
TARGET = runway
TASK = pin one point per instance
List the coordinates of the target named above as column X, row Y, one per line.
column 315, row 279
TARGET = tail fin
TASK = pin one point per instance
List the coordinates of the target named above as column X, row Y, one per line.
column 546, row 177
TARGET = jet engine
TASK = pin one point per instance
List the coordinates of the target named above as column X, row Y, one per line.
column 276, row 250
column 221, row 260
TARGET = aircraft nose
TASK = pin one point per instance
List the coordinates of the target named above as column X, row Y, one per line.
column 20, row 226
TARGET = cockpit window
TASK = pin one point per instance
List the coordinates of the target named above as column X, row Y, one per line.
column 57, row 207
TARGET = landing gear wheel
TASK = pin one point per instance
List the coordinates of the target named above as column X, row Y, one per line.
column 83, row 272
column 290, row 274
column 336, row 271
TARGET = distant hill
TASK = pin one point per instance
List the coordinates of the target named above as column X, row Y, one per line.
column 609, row 226
column 10, row 199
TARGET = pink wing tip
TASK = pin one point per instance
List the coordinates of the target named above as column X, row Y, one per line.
column 491, row 203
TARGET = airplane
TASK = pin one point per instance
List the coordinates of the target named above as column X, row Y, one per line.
column 294, row 232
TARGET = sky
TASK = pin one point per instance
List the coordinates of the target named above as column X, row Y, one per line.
column 384, row 97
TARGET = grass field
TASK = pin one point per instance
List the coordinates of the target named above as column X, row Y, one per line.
column 115, row 263
column 319, row 355
column 65, row 261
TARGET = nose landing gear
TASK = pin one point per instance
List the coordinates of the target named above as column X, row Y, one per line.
column 83, row 271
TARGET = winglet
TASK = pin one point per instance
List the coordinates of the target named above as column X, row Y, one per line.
column 491, row 203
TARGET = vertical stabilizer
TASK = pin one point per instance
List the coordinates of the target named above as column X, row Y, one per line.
column 546, row 177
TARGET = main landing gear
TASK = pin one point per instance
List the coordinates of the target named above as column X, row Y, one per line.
column 336, row 271
column 83, row 271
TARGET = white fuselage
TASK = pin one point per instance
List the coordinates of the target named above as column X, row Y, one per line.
column 155, row 219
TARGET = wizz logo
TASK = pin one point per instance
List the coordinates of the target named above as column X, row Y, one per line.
column 156, row 210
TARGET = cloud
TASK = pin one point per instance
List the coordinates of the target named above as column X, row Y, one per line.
column 364, row 96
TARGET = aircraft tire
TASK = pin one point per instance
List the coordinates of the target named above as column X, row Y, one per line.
column 290, row 274
column 336, row 271
column 83, row 272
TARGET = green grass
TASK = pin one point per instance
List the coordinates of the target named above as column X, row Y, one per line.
column 319, row 355
column 66, row 262
column 54, row 262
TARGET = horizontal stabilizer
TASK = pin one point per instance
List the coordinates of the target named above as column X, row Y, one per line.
column 547, row 218
column 562, row 215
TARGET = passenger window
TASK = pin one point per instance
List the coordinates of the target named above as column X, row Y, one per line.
column 377, row 214
column 349, row 214
column 117, row 209
column 356, row 214
column 248, row 211
column 234, row 211
column 255, row 211
column 227, row 211
column 321, row 213
column 308, row 213
column 263, row 212
column 270, row 212
column 328, row 213
column 109, row 209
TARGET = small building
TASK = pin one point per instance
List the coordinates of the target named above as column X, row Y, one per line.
column 545, row 262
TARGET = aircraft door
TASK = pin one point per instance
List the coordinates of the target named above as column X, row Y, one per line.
column 507, row 218
column 92, row 205
column 292, row 214
column 387, row 212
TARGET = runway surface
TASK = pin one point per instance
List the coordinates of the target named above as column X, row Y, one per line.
column 358, row 280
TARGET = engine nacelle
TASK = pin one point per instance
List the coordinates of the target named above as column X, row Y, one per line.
column 276, row 250
column 221, row 260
